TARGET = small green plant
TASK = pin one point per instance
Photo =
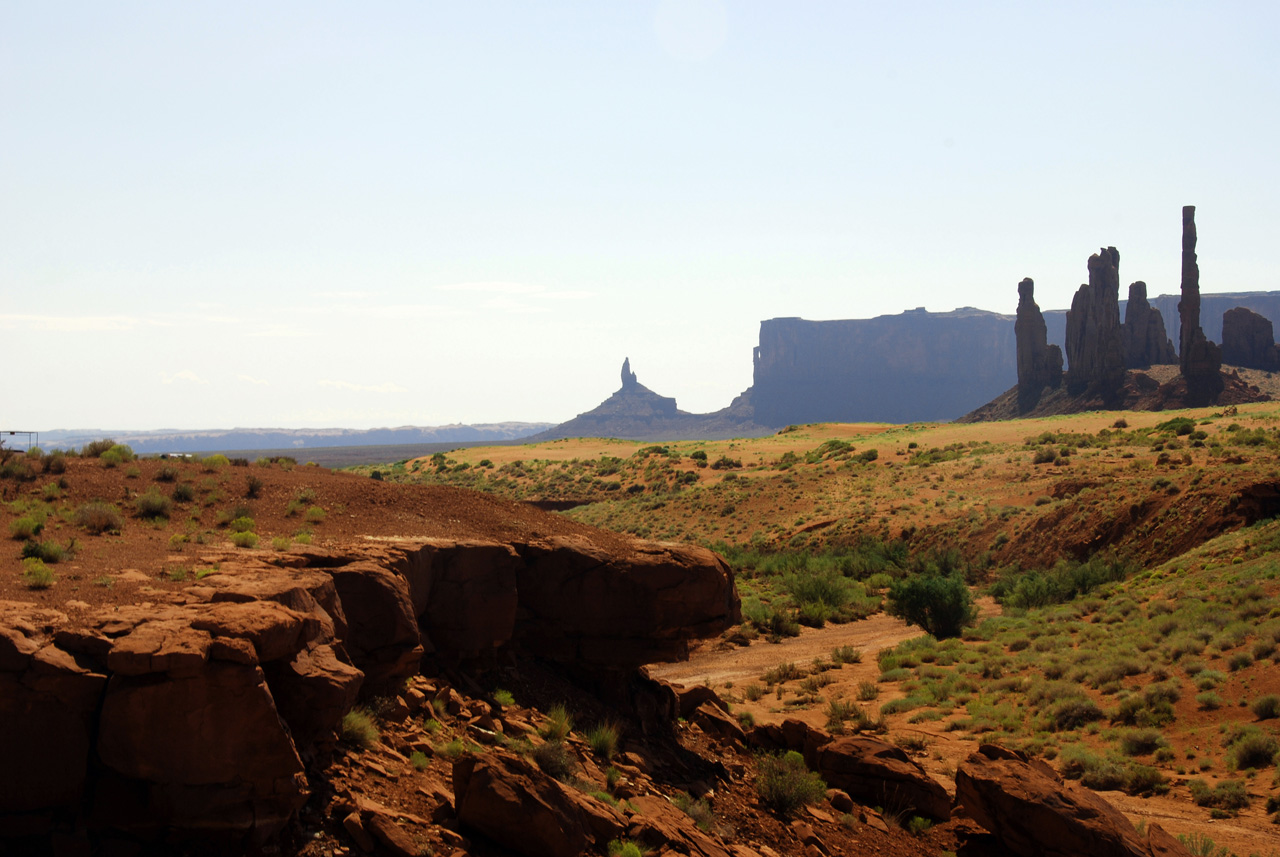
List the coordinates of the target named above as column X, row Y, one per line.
column 846, row 655
column 603, row 738
column 785, row 784
column 242, row 524
column 25, row 527
column 868, row 690
column 559, row 724
column 281, row 543
column 753, row 691
column 624, row 848
column 419, row 760
column 1202, row 846
column 183, row 492
column 178, row 574
column 244, row 540
column 554, row 758
column 359, row 729
column 704, row 818
column 1228, row 794
column 315, row 515
column 503, row 697
column 35, row 574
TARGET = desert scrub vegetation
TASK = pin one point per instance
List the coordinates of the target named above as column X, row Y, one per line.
column 98, row 517
column 785, row 784
column 36, row 575
column 360, row 729
column 942, row 606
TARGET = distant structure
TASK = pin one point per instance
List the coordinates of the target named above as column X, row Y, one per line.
column 1199, row 359
column 628, row 377
column 1146, row 343
column 1248, row 340
column 1095, row 344
column 1039, row 363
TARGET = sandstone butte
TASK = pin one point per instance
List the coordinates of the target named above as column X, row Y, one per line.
column 158, row 713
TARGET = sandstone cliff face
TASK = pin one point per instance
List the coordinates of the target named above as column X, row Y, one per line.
column 1145, row 341
column 914, row 366
column 1200, row 359
column 197, row 717
column 1039, row 363
column 1095, row 344
column 1248, row 340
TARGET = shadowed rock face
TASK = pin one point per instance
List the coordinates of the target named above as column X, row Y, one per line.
column 1248, row 340
column 1146, row 343
column 1200, row 359
column 1039, row 363
column 1095, row 344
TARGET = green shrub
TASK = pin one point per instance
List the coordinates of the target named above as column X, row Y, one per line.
column 559, row 724
column 96, row 448
column 36, row 575
column 183, row 492
column 942, row 606
column 1228, row 794
column 785, row 784
column 243, row 524
column 1202, row 846
column 315, row 515
column 1074, row 713
column 603, row 738
column 47, row 551
column 152, row 504
column 25, row 527
column 1250, row 747
column 624, row 848
column 99, row 517
column 554, row 758
column 699, row 810
column 359, row 729
column 167, row 474
column 846, row 655
column 281, row 543
column 213, row 462
column 1141, row 742
column 1266, row 707
column 503, row 697
column 244, row 540
column 868, row 690
column 419, row 760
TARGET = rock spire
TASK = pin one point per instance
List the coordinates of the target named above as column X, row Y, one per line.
column 628, row 377
column 1039, row 363
column 1145, row 341
column 1095, row 344
column 1199, row 359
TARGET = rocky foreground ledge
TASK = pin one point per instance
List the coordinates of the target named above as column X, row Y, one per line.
column 199, row 714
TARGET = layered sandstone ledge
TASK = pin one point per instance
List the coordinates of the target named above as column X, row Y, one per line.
column 200, row 713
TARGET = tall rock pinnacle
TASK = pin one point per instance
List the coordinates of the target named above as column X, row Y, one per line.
column 1095, row 343
column 1199, row 359
column 1039, row 364
column 628, row 377
column 1146, row 343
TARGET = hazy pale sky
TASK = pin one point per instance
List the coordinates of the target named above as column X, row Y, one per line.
column 340, row 214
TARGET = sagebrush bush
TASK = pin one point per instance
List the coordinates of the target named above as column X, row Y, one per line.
column 25, row 527
column 554, row 759
column 152, row 504
column 183, row 492
column 48, row 551
column 785, row 784
column 1228, row 794
column 244, row 540
column 97, row 447
column 99, row 517
column 36, row 575
column 1266, row 707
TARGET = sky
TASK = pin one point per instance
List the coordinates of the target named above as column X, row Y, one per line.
column 314, row 214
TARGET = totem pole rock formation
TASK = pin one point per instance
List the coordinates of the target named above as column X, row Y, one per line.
column 1039, row 363
column 1146, row 342
column 1095, row 344
column 1248, row 340
column 628, row 377
column 1199, row 359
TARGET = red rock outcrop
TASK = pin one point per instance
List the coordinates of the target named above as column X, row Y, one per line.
column 1248, row 340
column 505, row 797
column 1039, row 363
column 1095, row 344
column 1028, row 807
column 877, row 773
column 1199, row 359
column 1146, row 343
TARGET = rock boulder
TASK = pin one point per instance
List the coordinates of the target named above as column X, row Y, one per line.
column 877, row 773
